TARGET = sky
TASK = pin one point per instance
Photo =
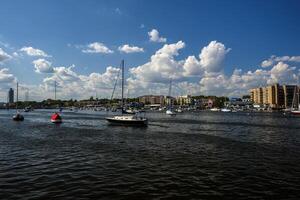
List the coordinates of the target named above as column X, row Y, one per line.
column 205, row 47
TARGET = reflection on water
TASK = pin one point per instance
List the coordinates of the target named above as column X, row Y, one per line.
column 203, row 155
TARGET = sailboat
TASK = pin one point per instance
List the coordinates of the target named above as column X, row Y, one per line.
column 18, row 116
column 131, row 120
column 296, row 104
column 55, row 118
column 170, row 110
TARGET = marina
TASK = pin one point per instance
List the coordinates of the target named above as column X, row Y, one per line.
column 193, row 155
column 149, row 100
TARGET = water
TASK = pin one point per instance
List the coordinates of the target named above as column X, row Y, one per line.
column 202, row 155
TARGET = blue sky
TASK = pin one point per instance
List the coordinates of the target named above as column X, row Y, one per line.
column 251, row 32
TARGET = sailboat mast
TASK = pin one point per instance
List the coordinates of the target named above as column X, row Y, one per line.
column 297, row 93
column 170, row 91
column 122, row 83
column 54, row 90
column 17, row 96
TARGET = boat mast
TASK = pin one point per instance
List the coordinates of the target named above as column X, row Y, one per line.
column 122, row 68
column 170, row 90
column 54, row 90
column 17, row 96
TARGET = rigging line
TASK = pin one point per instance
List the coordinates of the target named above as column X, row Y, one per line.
column 115, row 85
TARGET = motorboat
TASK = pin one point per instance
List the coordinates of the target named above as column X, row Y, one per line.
column 170, row 112
column 179, row 110
column 18, row 117
column 225, row 110
column 56, row 118
column 215, row 109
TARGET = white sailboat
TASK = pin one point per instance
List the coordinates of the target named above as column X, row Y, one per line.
column 296, row 104
column 170, row 109
column 18, row 116
column 126, row 119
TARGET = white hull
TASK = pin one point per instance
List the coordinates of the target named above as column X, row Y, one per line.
column 127, row 120
column 56, row 121
column 225, row 110
column 169, row 112
column 295, row 112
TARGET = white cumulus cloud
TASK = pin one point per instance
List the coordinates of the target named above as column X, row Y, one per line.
column 34, row 52
column 275, row 59
column 43, row 66
column 154, row 36
column 126, row 48
column 97, row 47
column 212, row 56
column 4, row 55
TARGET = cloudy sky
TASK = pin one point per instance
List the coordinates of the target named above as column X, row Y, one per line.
column 205, row 47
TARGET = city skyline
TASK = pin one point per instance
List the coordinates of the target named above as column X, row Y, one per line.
column 229, row 48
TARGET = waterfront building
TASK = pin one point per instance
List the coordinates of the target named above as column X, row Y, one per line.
column 184, row 100
column 152, row 99
column 10, row 96
column 273, row 96
column 169, row 100
column 257, row 95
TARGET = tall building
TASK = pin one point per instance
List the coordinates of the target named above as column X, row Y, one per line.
column 274, row 96
column 289, row 91
column 11, row 96
column 257, row 95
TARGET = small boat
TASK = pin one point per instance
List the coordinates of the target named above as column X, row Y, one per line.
column 129, row 120
column 18, row 117
column 295, row 110
column 130, row 112
column 170, row 112
column 179, row 110
column 225, row 110
column 28, row 109
column 56, row 118
column 215, row 109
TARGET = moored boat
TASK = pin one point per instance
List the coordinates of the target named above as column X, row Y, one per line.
column 170, row 112
column 18, row 117
column 131, row 120
column 225, row 110
column 295, row 110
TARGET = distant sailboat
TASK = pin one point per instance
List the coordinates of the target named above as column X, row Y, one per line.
column 132, row 120
column 56, row 118
column 296, row 104
column 170, row 105
column 18, row 116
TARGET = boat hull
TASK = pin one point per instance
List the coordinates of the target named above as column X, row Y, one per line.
column 296, row 113
column 16, row 118
column 127, row 122
column 56, row 121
